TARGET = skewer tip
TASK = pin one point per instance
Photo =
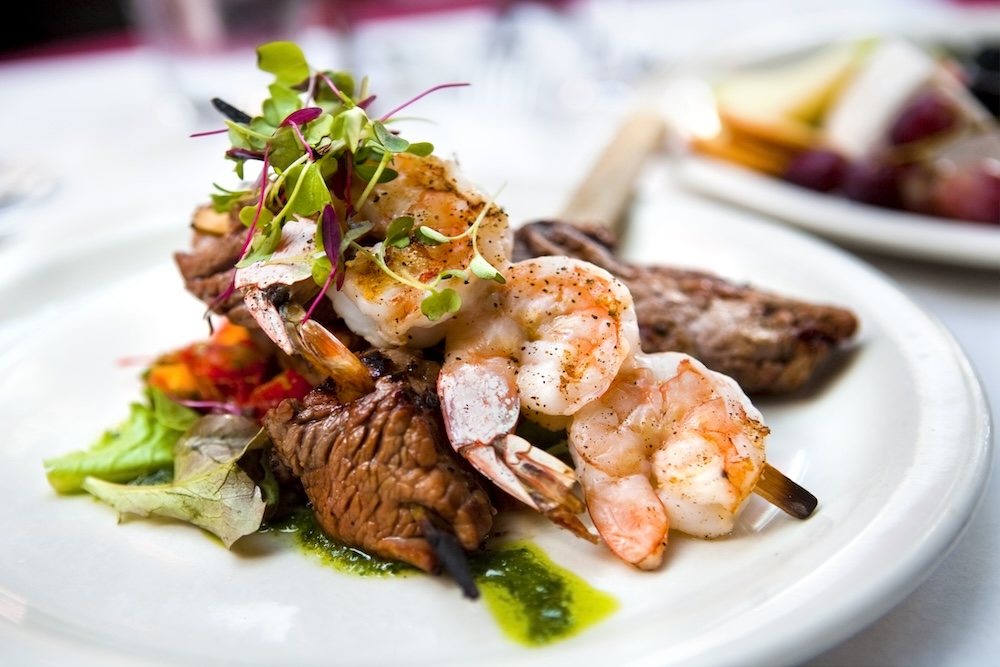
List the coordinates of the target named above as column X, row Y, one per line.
column 785, row 494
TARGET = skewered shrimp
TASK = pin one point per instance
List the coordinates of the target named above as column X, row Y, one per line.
column 671, row 444
column 387, row 312
column 546, row 343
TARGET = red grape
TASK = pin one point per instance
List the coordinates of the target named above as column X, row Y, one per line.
column 970, row 191
column 817, row 169
column 874, row 182
column 927, row 114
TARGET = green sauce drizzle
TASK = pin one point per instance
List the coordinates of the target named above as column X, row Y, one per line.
column 534, row 601
column 308, row 536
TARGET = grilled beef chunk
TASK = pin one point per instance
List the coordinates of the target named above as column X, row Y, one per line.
column 209, row 266
column 379, row 471
column 766, row 342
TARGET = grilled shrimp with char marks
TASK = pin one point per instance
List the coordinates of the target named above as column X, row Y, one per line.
column 373, row 304
column 385, row 311
column 544, row 344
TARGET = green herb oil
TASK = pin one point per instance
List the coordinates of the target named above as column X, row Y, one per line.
column 314, row 542
column 534, row 601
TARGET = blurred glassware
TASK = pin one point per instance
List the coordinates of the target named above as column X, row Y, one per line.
column 205, row 48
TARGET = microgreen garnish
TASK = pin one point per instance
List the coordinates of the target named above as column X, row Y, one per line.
column 479, row 266
column 331, row 238
column 437, row 302
column 314, row 138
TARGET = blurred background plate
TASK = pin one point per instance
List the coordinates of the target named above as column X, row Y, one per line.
column 686, row 95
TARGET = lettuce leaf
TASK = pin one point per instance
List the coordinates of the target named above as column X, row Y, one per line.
column 209, row 488
column 142, row 445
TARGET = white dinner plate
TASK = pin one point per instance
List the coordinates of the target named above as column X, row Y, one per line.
column 836, row 218
column 894, row 441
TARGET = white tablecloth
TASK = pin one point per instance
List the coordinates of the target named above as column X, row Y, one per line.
column 106, row 132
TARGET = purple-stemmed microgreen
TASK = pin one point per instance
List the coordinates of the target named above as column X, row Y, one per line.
column 301, row 117
column 312, row 128
column 331, row 236
column 223, row 296
column 413, row 99
column 214, row 406
column 208, row 133
column 325, row 78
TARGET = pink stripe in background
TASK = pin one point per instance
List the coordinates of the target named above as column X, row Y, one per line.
column 337, row 12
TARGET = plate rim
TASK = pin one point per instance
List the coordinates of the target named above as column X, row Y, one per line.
column 906, row 235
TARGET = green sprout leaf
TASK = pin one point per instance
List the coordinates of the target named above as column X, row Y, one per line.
column 355, row 233
column 391, row 142
column 264, row 243
column 285, row 61
column 369, row 172
column 437, row 304
column 352, row 123
column 397, row 234
column 420, row 148
column 483, row 269
column 344, row 83
column 311, row 192
column 248, row 213
column 223, row 201
column 242, row 136
column 318, row 132
column 283, row 101
column 431, row 236
column 321, row 269
column 284, row 149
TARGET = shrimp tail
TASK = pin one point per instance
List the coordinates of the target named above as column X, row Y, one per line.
column 261, row 305
column 533, row 476
column 547, row 481
column 481, row 408
column 327, row 354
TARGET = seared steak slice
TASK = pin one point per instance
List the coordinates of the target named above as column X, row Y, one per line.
column 379, row 471
column 766, row 342
column 209, row 266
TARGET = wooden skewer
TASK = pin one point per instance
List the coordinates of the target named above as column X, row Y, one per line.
column 603, row 197
column 606, row 191
column 784, row 494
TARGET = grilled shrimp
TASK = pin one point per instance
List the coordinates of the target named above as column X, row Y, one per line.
column 671, row 444
column 382, row 309
column 544, row 344
column 373, row 304
column 290, row 267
